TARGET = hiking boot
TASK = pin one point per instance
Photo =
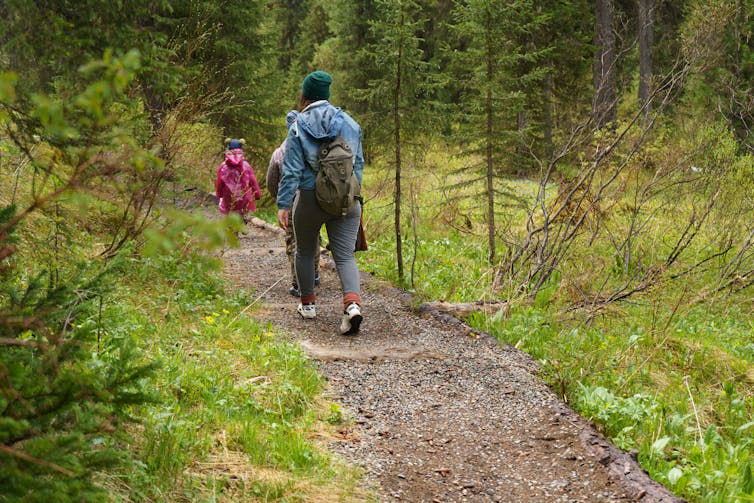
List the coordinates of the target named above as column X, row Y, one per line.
column 307, row 311
column 294, row 291
column 351, row 319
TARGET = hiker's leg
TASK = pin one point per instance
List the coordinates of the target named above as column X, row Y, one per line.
column 316, row 260
column 290, row 250
column 307, row 220
column 342, row 235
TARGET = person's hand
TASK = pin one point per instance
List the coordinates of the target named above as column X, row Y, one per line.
column 283, row 218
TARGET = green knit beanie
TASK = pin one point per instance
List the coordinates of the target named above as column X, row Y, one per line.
column 316, row 86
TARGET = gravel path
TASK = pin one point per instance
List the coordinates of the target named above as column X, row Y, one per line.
column 440, row 413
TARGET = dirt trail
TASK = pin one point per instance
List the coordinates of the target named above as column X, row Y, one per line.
column 440, row 414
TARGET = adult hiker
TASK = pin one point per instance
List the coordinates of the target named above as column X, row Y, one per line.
column 274, row 172
column 318, row 124
column 236, row 185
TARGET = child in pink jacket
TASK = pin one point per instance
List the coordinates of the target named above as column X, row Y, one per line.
column 236, row 186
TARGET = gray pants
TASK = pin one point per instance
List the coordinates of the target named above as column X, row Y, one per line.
column 308, row 218
column 290, row 251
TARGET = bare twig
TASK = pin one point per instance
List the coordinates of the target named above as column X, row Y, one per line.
column 231, row 322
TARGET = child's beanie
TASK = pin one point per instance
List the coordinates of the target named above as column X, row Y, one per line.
column 234, row 144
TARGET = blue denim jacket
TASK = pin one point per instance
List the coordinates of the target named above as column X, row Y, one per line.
column 320, row 122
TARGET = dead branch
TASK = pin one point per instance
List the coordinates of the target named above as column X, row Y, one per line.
column 41, row 462
column 552, row 228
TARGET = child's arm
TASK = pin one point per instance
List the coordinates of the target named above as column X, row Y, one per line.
column 218, row 181
column 253, row 181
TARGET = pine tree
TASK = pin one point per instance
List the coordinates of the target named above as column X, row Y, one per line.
column 289, row 16
column 564, row 38
column 342, row 54
column 61, row 396
column 500, row 70
column 314, row 31
column 63, row 389
column 397, row 90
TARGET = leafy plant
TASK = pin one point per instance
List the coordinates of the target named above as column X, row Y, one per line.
column 64, row 391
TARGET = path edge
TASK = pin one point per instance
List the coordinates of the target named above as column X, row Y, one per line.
column 622, row 467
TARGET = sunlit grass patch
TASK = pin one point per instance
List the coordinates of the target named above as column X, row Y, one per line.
column 237, row 409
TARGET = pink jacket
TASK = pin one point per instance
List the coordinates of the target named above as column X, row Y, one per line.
column 236, row 185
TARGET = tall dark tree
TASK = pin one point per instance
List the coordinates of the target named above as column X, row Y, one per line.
column 646, row 17
column 529, row 24
column 566, row 38
column 436, row 30
column 314, row 31
column 605, row 69
column 289, row 20
column 342, row 54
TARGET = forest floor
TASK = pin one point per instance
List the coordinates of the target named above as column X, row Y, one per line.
column 437, row 412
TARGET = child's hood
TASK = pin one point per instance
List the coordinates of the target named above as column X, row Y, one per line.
column 234, row 157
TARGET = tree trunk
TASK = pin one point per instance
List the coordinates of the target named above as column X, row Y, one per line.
column 522, row 122
column 547, row 112
column 646, row 40
column 489, row 139
column 604, row 106
column 397, row 126
column 155, row 106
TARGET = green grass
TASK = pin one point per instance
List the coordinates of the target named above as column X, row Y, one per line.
column 682, row 397
column 235, row 411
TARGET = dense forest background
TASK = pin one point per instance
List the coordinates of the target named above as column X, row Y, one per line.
column 591, row 162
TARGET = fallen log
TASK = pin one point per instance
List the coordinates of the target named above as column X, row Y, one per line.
column 465, row 309
column 264, row 225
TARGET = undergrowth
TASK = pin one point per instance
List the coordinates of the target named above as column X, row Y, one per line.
column 680, row 395
column 235, row 410
column 669, row 373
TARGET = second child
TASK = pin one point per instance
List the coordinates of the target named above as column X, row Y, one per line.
column 236, row 185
